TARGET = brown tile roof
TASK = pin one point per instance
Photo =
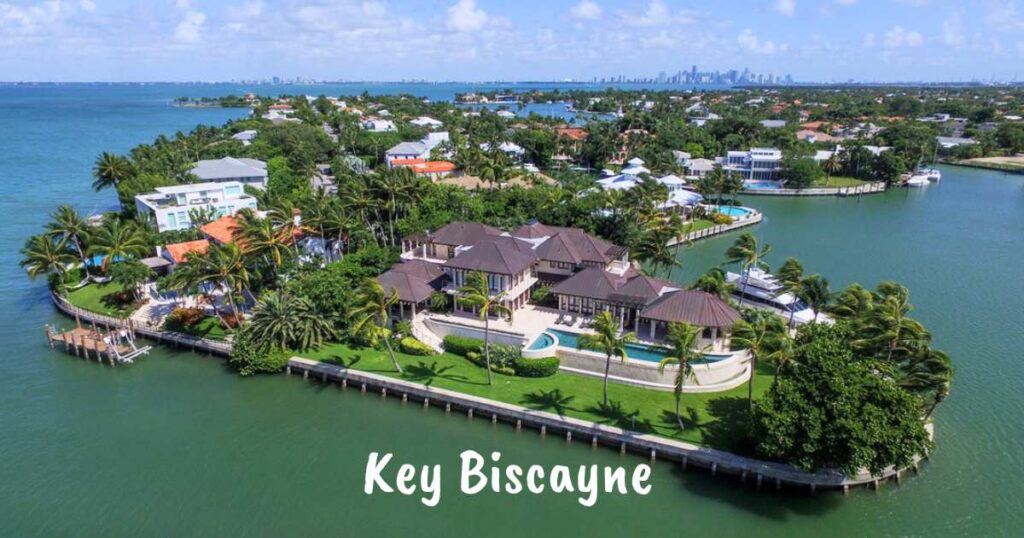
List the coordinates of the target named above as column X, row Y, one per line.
column 696, row 307
column 499, row 255
column 576, row 246
column 221, row 230
column 596, row 283
column 534, row 230
column 573, row 133
column 408, row 287
column 463, row 233
column 180, row 251
column 426, row 271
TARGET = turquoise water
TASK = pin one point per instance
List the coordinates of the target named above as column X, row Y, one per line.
column 638, row 352
column 733, row 211
column 178, row 445
column 754, row 184
column 542, row 341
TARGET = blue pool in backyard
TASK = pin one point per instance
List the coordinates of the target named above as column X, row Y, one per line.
column 733, row 211
column 761, row 185
column 640, row 352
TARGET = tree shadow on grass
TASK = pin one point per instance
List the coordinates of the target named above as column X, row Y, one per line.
column 690, row 418
column 615, row 414
column 426, row 373
column 552, row 400
column 729, row 425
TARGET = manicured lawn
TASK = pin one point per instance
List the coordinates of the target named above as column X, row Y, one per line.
column 100, row 298
column 838, row 181
column 698, row 224
column 717, row 420
column 208, row 327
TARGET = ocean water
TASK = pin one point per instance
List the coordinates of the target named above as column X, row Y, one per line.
column 178, row 445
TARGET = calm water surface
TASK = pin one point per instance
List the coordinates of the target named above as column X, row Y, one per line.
column 178, row 445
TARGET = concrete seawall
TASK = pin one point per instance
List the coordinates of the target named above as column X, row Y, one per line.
column 869, row 188
column 759, row 473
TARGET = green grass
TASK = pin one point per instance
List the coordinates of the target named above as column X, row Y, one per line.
column 101, row 298
column 838, row 181
column 208, row 327
column 717, row 420
column 698, row 224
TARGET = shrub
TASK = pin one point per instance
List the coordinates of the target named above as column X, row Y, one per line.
column 545, row 367
column 182, row 318
column 543, row 296
column 412, row 346
column 719, row 218
column 403, row 327
column 480, row 360
column 504, row 355
column 461, row 345
column 249, row 358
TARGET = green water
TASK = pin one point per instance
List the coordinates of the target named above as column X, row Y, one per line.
column 177, row 445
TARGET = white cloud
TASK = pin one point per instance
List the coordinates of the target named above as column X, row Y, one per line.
column 246, row 10
column 465, row 16
column 1004, row 16
column 953, row 32
column 189, row 29
column 751, row 43
column 785, row 7
column 868, row 41
column 586, row 10
column 87, row 5
column 658, row 14
column 897, row 37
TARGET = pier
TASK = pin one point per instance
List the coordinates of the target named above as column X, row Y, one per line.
column 652, row 446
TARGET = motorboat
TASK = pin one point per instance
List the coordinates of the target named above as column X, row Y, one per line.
column 760, row 289
column 917, row 181
column 934, row 175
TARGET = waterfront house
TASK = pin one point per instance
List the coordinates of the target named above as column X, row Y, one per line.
column 245, row 137
column 759, row 164
column 221, row 231
column 507, row 264
column 773, row 124
column 510, row 149
column 698, row 168
column 170, row 207
column 378, row 125
column 176, row 253
column 416, row 150
column 433, row 170
column 246, row 171
column 428, row 122
column 414, row 282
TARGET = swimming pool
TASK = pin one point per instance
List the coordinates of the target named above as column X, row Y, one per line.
column 640, row 352
column 761, row 185
column 544, row 340
column 733, row 211
column 97, row 260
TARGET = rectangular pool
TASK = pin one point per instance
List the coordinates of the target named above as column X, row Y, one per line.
column 640, row 352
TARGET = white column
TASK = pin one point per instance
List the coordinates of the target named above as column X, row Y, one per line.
column 652, row 329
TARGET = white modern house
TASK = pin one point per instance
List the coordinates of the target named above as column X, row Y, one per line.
column 416, row 150
column 698, row 168
column 247, row 171
column 169, row 207
column 508, row 148
column 758, row 164
column 429, row 123
column 773, row 124
column 245, row 137
column 378, row 125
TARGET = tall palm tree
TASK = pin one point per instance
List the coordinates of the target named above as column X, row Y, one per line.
column 110, row 170
column 755, row 335
column 288, row 220
column 832, row 165
column 606, row 339
column 260, row 237
column 713, row 282
column 889, row 329
column 477, row 293
column 814, row 291
column 852, row 304
column 790, row 275
column 46, row 255
column 684, row 339
column 372, row 306
column 117, row 240
column 746, row 252
column 68, row 225
column 223, row 266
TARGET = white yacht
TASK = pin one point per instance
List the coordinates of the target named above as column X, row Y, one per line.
column 933, row 174
column 760, row 289
column 917, row 180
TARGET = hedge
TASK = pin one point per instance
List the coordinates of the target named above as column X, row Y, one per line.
column 412, row 346
column 546, row 367
column 480, row 360
column 462, row 345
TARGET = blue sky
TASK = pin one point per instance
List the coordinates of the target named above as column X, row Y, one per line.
column 121, row 40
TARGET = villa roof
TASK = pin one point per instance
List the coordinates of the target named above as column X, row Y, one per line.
column 573, row 133
column 463, row 233
column 423, row 270
column 499, row 255
column 410, row 289
column 576, row 246
column 408, row 148
column 180, row 251
column 696, row 307
column 534, row 230
column 229, row 168
column 629, row 288
column 221, row 230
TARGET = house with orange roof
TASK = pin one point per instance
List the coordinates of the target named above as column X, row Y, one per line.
column 221, row 231
column 179, row 252
column 422, row 167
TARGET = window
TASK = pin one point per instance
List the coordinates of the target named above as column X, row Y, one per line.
column 172, row 221
column 232, row 191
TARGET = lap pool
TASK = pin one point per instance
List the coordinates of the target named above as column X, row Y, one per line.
column 641, row 352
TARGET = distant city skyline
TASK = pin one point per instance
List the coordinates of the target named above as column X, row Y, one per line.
column 481, row 40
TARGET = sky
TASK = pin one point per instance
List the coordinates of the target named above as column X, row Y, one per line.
column 478, row 40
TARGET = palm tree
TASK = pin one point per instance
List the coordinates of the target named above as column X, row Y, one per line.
column 790, row 274
column 888, row 327
column 755, row 335
column 45, row 255
column 606, row 339
column 260, row 237
column 224, row 266
column 929, row 373
column 748, row 254
column 852, row 304
column 831, row 166
column 815, row 292
column 281, row 320
column 713, row 281
column 372, row 308
column 287, row 220
column 476, row 292
column 110, row 170
column 439, row 301
column 117, row 240
column 68, row 225
column 684, row 339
